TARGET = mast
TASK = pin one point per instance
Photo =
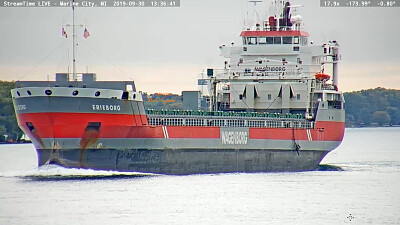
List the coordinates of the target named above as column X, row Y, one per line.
column 74, row 77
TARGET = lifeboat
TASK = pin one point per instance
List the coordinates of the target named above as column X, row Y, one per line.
column 322, row 76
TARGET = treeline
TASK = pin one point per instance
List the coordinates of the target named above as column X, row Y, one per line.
column 9, row 130
column 162, row 101
column 373, row 107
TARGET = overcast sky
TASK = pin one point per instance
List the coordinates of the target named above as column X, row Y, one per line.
column 164, row 49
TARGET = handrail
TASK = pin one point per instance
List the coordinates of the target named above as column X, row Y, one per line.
column 223, row 121
column 222, row 113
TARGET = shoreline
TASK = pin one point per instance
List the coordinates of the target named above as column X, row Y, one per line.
column 12, row 143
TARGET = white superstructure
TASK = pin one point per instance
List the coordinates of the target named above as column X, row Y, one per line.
column 276, row 69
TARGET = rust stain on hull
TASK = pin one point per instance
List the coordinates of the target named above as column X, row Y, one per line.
column 89, row 138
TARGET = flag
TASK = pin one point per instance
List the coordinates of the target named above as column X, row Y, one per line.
column 63, row 33
column 86, row 33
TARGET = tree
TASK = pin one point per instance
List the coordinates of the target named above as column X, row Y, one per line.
column 3, row 132
column 8, row 121
column 381, row 117
column 394, row 114
column 350, row 121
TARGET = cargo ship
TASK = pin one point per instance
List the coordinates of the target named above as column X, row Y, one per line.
column 272, row 107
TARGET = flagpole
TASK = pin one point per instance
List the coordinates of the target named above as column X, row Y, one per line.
column 74, row 77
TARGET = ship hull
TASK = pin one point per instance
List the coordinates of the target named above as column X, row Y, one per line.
column 118, row 135
column 184, row 161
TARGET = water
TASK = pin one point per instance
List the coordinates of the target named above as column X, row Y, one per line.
column 366, row 191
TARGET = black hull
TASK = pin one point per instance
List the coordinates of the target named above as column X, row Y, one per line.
column 183, row 161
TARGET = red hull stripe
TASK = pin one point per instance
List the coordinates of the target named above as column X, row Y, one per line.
column 73, row 125
column 330, row 131
column 325, row 131
column 193, row 132
column 273, row 33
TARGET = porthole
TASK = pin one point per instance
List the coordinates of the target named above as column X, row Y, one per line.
column 97, row 94
column 48, row 92
column 29, row 92
column 134, row 96
column 75, row 93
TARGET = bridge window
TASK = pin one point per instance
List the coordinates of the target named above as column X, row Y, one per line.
column 252, row 40
column 270, row 40
column 269, row 96
column 262, row 40
column 277, row 40
column 287, row 40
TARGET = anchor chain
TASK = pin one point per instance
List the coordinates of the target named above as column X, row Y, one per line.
column 296, row 146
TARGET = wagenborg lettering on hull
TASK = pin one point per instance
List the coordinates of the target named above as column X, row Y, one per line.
column 234, row 137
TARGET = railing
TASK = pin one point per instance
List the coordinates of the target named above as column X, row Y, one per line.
column 324, row 86
column 265, row 70
column 286, row 28
column 223, row 113
column 227, row 119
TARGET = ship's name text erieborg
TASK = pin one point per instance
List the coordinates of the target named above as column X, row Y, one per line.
column 106, row 107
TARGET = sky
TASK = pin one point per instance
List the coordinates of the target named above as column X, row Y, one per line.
column 165, row 49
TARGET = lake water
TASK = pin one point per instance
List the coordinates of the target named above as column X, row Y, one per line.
column 366, row 191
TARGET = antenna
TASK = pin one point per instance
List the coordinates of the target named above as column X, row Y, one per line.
column 74, row 77
column 255, row 1
column 254, row 13
column 295, row 7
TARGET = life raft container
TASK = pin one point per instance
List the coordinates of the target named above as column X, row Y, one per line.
column 322, row 76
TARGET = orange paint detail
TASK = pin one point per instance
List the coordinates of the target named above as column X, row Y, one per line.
column 322, row 76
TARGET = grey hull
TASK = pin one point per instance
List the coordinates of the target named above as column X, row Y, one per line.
column 184, row 161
